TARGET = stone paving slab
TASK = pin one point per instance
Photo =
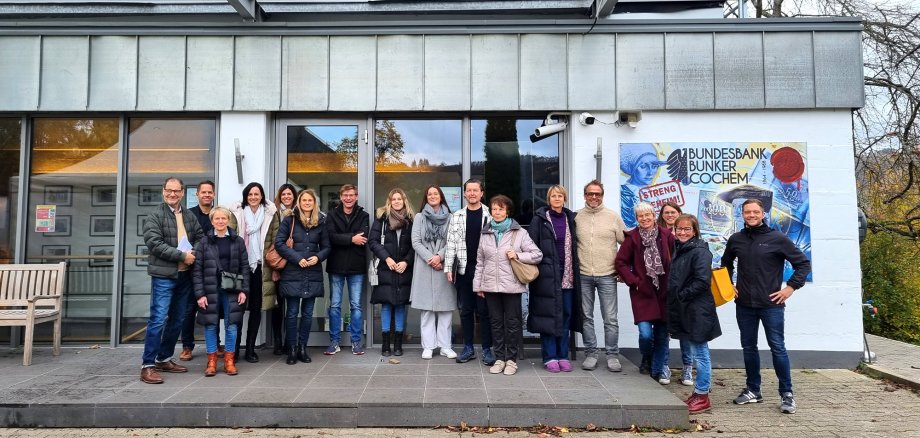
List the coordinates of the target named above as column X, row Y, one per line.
column 100, row 387
column 895, row 360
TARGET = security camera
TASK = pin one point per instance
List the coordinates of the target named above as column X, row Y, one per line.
column 586, row 119
column 545, row 130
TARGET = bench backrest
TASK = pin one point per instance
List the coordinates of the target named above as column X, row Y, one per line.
column 19, row 283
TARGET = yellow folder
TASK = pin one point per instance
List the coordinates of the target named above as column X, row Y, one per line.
column 721, row 285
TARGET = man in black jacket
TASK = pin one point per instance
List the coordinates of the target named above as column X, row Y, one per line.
column 170, row 233
column 348, row 228
column 205, row 195
column 760, row 297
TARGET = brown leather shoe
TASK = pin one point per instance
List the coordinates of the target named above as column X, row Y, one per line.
column 170, row 367
column 229, row 366
column 211, row 369
column 150, row 375
column 186, row 354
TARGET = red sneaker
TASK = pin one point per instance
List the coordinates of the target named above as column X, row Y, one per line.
column 698, row 403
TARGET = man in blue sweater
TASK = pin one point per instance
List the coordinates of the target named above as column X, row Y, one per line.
column 761, row 297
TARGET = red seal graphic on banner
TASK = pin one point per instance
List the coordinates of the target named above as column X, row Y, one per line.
column 788, row 165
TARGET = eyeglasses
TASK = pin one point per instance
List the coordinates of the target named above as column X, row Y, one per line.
column 593, row 194
column 684, row 229
column 172, row 191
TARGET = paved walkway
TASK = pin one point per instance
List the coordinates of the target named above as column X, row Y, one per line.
column 895, row 360
column 832, row 403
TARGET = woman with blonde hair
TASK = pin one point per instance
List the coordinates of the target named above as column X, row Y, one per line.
column 222, row 250
column 391, row 244
column 302, row 277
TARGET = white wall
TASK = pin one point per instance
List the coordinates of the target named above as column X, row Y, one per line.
column 825, row 315
column 252, row 130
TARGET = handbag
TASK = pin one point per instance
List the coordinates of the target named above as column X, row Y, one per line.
column 721, row 286
column 275, row 260
column 524, row 272
column 231, row 281
column 372, row 278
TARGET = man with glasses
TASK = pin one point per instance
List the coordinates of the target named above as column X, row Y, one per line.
column 170, row 233
column 599, row 230
column 205, row 195
column 348, row 227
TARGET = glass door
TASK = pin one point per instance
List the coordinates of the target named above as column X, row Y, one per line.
column 323, row 155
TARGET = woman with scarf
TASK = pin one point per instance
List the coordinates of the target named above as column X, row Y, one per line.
column 284, row 205
column 503, row 240
column 557, row 289
column 302, row 276
column 431, row 292
column 253, row 218
column 391, row 244
column 644, row 262
column 667, row 218
column 221, row 250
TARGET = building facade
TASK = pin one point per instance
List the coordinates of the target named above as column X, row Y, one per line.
column 100, row 102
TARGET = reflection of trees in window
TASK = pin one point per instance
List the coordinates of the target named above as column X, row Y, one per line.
column 58, row 143
column 503, row 159
column 388, row 144
column 10, row 134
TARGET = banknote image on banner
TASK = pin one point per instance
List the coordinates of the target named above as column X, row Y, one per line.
column 712, row 180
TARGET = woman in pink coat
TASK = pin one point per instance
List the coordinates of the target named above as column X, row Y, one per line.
column 502, row 240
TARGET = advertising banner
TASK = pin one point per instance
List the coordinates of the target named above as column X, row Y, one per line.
column 712, row 180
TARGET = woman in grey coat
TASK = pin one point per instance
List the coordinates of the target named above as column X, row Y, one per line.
column 431, row 292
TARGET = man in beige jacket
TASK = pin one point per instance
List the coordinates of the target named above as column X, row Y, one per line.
column 599, row 230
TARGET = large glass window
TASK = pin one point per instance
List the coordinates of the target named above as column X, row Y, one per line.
column 157, row 149
column 71, row 217
column 10, row 145
column 505, row 159
column 323, row 155
column 412, row 155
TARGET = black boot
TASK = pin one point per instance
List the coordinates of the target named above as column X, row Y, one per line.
column 302, row 354
column 385, row 348
column 292, row 355
column 276, row 342
column 646, row 365
column 397, row 344
column 250, row 354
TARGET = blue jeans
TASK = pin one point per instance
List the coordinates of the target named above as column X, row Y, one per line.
column 471, row 305
column 607, row 293
column 773, row 320
column 355, row 285
column 557, row 347
column 700, row 353
column 293, row 336
column 168, row 300
column 211, row 337
column 387, row 313
column 653, row 340
column 686, row 355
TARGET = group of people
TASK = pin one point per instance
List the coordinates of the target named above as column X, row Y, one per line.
column 211, row 261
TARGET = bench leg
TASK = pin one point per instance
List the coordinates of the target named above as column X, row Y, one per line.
column 27, row 345
column 57, row 336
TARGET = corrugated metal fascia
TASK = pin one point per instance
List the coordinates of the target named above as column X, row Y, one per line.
column 426, row 27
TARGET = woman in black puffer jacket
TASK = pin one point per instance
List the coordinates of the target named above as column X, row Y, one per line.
column 691, row 309
column 302, row 278
column 394, row 266
column 222, row 250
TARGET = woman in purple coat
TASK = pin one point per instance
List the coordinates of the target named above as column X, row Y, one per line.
column 643, row 262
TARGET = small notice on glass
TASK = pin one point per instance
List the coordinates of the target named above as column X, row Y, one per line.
column 44, row 218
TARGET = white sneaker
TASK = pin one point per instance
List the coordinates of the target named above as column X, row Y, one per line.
column 497, row 367
column 510, row 368
column 427, row 353
column 448, row 353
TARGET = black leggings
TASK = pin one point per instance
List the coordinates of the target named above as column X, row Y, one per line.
column 254, row 305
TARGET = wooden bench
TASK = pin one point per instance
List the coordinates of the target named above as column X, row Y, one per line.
column 32, row 294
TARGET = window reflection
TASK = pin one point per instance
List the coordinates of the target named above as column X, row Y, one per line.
column 10, row 138
column 509, row 163
column 157, row 149
column 71, row 217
